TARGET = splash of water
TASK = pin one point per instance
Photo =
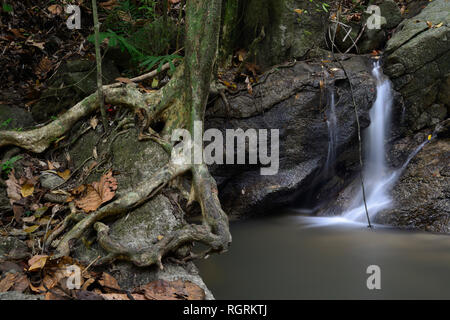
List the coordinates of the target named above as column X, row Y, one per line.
column 332, row 135
column 378, row 179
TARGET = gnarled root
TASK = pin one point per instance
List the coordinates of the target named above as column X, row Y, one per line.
column 214, row 232
column 38, row 140
column 154, row 254
column 126, row 203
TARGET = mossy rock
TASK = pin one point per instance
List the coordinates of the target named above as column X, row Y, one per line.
column 418, row 62
column 288, row 34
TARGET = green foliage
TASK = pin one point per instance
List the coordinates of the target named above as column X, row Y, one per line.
column 138, row 28
column 7, row 7
column 8, row 165
column 320, row 5
column 150, row 61
column 5, row 123
column 117, row 40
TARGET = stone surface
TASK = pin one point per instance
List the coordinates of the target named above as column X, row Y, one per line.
column 136, row 161
column 12, row 248
column 73, row 81
column 290, row 99
column 14, row 118
column 421, row 197
column 50, row 180
column 288, row 33
column 12, row 295
column 418, row 62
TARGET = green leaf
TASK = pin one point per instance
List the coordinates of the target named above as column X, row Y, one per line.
column 7, row 7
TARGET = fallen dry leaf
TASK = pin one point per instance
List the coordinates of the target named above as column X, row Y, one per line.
column 36, row 44
column 108, row 282
column 124, row 80
column 7, row 282
column 65, row 174
column 21, row 283
column 31, row 229
column 37, row 262
column 27, row 190
column 13, row 188
column 55, row 9
column 108, row 5
column 93, row 122
column 98, row 193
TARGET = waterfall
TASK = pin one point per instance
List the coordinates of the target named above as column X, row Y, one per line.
column 377, row 178
column 332, row 135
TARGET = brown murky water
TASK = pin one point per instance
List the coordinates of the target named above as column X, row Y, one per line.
column 297, row 257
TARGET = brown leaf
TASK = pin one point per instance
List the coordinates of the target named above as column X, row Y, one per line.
column 27, row 190
column 31, row 229
column 17, row 33
column 37, row 262
column 108, row 281
column 18, row 212
column 55, row 9
column 13, row 188
column 171, row 290
column 7, row 282
column 124, row 80
column 108, row 5
column 21, row 283
column 65, row 174
column 98, row 193
column 93, row 122
column 429, row 24
column 36, row 44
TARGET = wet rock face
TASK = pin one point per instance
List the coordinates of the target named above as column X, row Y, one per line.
column 290, row 99
column 421, row 198
column 418, row 62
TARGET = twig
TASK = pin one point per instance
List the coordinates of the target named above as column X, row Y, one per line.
column 99, row 65
column 358, row 127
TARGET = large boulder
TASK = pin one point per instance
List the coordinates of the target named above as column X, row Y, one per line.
column 14, row 118
column 418, row 62
column 136, row 161
column 290, row 99
column 73, row 81
column 289, row 33
column 421, row 197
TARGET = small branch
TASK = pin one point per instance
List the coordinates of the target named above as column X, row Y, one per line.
column 99, row 66
column 141, row 194
column 361, row 164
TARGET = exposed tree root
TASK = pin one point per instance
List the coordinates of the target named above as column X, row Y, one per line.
column 38, row 140
column 180, row 104
column 145, row 191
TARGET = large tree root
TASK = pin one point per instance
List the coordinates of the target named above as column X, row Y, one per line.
column 180, row 104
column 214, row 232
column 126, row 203
column 38, row 140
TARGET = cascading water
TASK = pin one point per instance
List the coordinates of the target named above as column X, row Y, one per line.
column 378, row 180
column 376, row 176
column 332, row 135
